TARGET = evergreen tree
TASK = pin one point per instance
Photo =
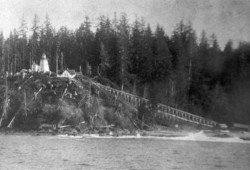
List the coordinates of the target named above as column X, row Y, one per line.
column 22, row 46
column 123, row 35
column 95, row 59
column 228, row 70
column 162, row 56
column 34, row 42
column 215, row 63
column 66, row 47
column 1, row 52
column 160, row 62
column 199, row 90
column 184, row 45
column 138, row 65
column 84, row 40
column 109, row 59
column 46, row 41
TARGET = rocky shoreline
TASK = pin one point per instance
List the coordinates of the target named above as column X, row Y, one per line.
column 115, row 132
column 158, row 133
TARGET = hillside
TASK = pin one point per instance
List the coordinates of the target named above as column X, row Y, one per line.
column 42, row 101
column 45, row 102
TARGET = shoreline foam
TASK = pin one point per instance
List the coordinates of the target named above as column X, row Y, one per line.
column 198, row 136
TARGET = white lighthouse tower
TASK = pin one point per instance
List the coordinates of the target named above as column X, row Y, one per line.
column 44, row 65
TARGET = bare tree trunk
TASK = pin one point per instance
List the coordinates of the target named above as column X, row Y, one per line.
column 190, row 65
column 57, row 63
column 172, row 88
column 50, row 55
column 189, row 74
column 3, row 58
column 145, row 91
column 14, row 71
column 62, row 61
column 134, row 87
column 11, row 68
column 23, row 58
column 122, row 70
column 8, row 59
column 25, row 103
column 172, row 92
column 31, row 60
column 6, row 101
column 122, row 87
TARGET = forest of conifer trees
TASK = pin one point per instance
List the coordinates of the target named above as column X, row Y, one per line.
column 182, row 70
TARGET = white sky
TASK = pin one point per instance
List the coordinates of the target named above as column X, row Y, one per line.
column 228, row 19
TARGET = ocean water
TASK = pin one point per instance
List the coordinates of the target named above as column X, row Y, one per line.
column 195, row 151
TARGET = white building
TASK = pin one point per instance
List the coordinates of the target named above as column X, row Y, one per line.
column 44, row 65
column 68, row 73
column 34, row 67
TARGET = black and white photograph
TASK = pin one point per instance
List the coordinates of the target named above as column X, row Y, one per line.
column 124, row 84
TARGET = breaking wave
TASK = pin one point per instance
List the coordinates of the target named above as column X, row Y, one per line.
column 201, row 136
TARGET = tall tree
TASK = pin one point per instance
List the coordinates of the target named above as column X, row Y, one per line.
column 84, row 40
column 46, row 40
column 123, row 34
column 109, row 58
column 1, row 52
column 199, row 89
column 35, row 38
column 67, row 46
column 22, row 46
column 138, row 61
column 229, row 71
column 184, row 41
column 163, row 58
column 216, row 60
column 161, row 66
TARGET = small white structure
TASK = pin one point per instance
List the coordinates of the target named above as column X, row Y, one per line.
column 34, row 67
column 44, row 65
column 223, row 126
column 68, row 74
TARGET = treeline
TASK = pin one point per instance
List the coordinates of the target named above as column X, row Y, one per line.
column 180, row 70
